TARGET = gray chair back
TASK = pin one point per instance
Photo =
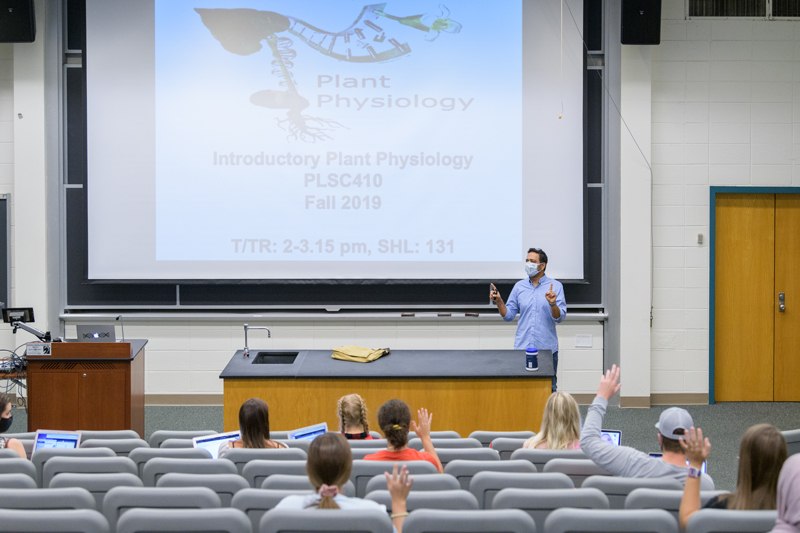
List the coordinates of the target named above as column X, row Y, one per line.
column 669, row 500
column 299, row 483
column 467, row 454
column 329, row 520
column 30, row 435
column 539, row 503
column 255, row 502
column 435, row 521
column 363, row 471
column 161, row 435
column 302, row 444
column 422, row 483
column 257, row 470
column 86, row 465
column 541, row 457
column 579, row 470
column 453, row 500
column 486, row 485
column 225, row 485
column 53, row 521
column 618, row 488
column 720, row 521
column 360, row 453
column 71, row 498
column 17, row 481
column 177, row 443
column 416, row 444
column 506, row 446
column 121, row 499
column 158, row 466
column 241, row 456
column 463, row 471
column 279, row 435
column 486, row 437
column 375, row 435
column 27, row 445
column 379, row 444
column 17, row 466
column 8, row 453
column 184, row 521
column 591, row 521
column 792, row 440
column 98, row 485
column 41, row 457
column 109, row 435
column 436, row 435
column 122, row 447
column 140, row 456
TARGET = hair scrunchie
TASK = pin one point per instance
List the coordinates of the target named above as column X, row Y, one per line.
column 329, row 491
column 396, row 426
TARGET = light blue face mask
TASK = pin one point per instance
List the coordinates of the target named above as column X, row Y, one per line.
column 531, row 269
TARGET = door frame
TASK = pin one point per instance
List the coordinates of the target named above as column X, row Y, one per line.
column 712, row 228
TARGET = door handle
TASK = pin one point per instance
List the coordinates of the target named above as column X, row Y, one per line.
column 781, row 302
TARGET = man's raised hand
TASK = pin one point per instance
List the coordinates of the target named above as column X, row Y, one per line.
column 550, row 295
column 609, row 384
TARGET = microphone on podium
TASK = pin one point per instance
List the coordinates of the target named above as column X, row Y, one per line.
column 122, row 325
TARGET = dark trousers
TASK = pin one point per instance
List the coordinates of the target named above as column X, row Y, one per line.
column 555, row 371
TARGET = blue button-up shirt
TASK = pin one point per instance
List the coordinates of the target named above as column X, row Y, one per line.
column 536, row 327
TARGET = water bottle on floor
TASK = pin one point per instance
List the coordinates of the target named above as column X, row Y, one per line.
column 531, row 359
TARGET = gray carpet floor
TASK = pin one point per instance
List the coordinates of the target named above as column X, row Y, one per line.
column 723, row 423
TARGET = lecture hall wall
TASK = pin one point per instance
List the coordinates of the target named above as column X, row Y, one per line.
column 725, row 110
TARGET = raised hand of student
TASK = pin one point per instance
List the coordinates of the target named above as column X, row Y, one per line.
column 398, row 483
column 423, row 427
column 609, row 384
column 695, row 447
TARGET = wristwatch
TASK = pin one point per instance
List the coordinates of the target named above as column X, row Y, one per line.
column 553, row 305
column 693, row 472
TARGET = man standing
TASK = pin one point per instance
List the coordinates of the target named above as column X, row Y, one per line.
column 539, row 300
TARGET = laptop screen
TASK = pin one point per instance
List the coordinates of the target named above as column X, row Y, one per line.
column 310, row 432
column 64, row 440
column 211, row 443
column 612, row 436
column 703, row 468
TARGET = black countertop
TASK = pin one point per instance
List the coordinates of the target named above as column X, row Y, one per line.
column 316, row 364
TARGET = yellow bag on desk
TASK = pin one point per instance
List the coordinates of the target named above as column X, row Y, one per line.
column 359, row 354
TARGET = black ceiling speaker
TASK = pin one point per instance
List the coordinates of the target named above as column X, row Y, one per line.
column 641, row 22
column 17, row 21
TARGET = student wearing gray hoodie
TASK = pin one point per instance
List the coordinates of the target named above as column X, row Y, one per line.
column 623, row 461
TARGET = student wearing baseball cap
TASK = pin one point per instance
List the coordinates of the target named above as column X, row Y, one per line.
column 623, row 461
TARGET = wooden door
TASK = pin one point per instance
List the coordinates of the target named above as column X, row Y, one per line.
column 53, row 401
column 744, row 297
column 787, row 274
column 104, row 397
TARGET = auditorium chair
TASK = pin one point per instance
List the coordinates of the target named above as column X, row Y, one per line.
column 506, row 446
column 539, row 503
column 618, row 488
column 86, row 465
column 27, row 444
column 416, row 444
column 579, row 470
column 17, row 466
column 161, row 435
column 177, row 443
column 239, row 457
column 29, row 435
column 669, row 500
column 792, row 441
column 422, row 483
column 17, row 481
column 24, row 521
column 157, row 467
column 363, row 471
column 225, row 520
column 436, row 435
column 122, row 447
column 453, row 500
column 467, row 454
column 327, row 520
column 98, row 485
column 41, row 499
column 108, row 435
column 463, row 471
column 302, row 444
column 8, row 453
column 435, row 521
column 486, row 437
column 568, row 520
column 257, row 470
column 486, row 485
column 42, row 456
column 379, row 444
column 539, row 458
column 120, row 499
column 224, row 485
column 300, row 482
column 255, row 502
column 140, row 456
column 360, row 453
column 718, row 521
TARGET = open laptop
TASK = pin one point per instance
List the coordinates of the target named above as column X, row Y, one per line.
column 64, row 440
column 96, row 334
column 703, row 469
column 211, row 443
column 612, row 436
column 310, row 432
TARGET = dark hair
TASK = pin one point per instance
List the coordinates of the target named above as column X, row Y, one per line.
column 330, row 462
column 540, row 253
column 5, row 399
column 254, row 423
column 394, row 419
column 672, row 445
column 761, row 456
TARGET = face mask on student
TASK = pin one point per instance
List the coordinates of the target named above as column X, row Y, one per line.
column 531, row 269
column 5, row 423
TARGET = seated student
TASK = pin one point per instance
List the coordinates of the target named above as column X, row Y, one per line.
column 789, row 497
column 761, row 456
column 627, row 462
column 6, row 419
column 329, row 465
column 253, row 428
column 561, row 425
column 352, row 412
column 394, row 418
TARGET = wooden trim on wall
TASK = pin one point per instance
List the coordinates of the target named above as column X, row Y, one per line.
column 182, row 399
column 642, row 402
column 687, row 398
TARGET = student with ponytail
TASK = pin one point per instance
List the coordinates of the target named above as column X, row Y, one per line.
column 352, row 411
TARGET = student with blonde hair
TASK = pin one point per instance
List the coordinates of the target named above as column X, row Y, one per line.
column 561, row 425
column 352, row 411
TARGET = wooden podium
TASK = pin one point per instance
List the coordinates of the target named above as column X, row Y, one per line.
column 87, row 386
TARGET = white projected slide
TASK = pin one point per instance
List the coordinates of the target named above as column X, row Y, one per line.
column 333, row 139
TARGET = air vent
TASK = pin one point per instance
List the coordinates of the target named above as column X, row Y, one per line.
column 97, row 366
column 58, row 366
column 732, row 8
